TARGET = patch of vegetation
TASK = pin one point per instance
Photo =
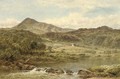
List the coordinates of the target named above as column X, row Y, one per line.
column 106, row 71
column 61, row 37
column 15, row 43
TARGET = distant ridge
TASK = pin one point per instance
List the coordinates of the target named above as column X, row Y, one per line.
column 103, row 36
column 39, row 27
column 105, row 28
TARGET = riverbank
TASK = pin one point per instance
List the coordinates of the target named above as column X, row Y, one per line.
column 98, row 72
column 87, row 57
column 39, row 74
column 106, row 71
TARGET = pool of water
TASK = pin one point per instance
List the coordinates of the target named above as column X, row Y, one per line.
column 84, row 63
column 73, row 66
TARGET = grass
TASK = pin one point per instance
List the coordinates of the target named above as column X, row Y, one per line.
column 68, row 49
column 103, row 78
column 35, row 75
column 106, row 71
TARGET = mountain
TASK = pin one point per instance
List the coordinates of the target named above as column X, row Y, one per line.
column 39, row 27
column 103, row 36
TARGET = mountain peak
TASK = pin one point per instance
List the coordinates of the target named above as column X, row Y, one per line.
column 39, row 27
column 29, row 20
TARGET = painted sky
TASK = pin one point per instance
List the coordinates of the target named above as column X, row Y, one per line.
column 63, row 13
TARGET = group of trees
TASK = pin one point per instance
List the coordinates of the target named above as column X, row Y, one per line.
column 14, row 43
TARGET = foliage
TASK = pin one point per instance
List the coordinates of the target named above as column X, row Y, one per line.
column 14, row 43
column 110, row 71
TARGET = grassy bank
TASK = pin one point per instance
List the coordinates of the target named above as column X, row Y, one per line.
column 106, row 71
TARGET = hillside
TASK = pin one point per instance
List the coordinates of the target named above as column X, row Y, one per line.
column 61, row 37
column 15, row 43
column 23, row 50
column 39, row 27
column 102, row 36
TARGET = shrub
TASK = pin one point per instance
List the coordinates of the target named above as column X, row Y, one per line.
column 9, row 55
column 14, row 43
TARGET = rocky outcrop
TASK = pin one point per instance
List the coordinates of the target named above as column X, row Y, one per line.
column 16, row 65
column 69, row 72
column 85, row 73
column 56, row 71
column 22, row 66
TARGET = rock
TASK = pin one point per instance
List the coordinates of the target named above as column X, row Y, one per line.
column 50, row 70
column 22, row 66
column 69, row 72
column 55, row 71
column 60, row 71
column 41, row 69
column 38, row 69
column 28, row 67
column 85, row 73
column 14, row 67
column 4, row 68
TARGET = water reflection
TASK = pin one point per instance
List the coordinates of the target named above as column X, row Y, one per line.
column 84, row 63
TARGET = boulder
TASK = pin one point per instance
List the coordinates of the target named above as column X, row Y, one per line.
column 85, row 73
column 50, row 70
column 22, row 66
column 55, row 71
column 38, row 69
column 41, row 69
column 69, row 72
column 59, row 71
column 30, row 67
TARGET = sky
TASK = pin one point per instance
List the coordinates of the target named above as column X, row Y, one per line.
column 62, row 13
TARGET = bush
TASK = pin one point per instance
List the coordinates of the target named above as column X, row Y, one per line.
column 9, row 55
column 109, row 71
column 98, row 69
column 114, row 70
column 14, row 43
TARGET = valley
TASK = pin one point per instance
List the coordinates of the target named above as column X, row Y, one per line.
column 32, row 44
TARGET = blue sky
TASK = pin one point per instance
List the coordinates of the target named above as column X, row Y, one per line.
column 62, row 13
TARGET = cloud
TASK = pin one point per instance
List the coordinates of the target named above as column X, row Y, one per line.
column 85, row 5
column 93, row 13
column 64, row 13
column 76, row 20
column 8, row 23
column 103, row 11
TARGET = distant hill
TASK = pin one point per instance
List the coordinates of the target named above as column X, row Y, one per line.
column 102, row 36
column 61, row 37
column 39, row 27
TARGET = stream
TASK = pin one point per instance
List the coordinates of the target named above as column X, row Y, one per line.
column 74, row 67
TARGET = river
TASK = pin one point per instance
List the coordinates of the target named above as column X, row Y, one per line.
column 73, row 66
